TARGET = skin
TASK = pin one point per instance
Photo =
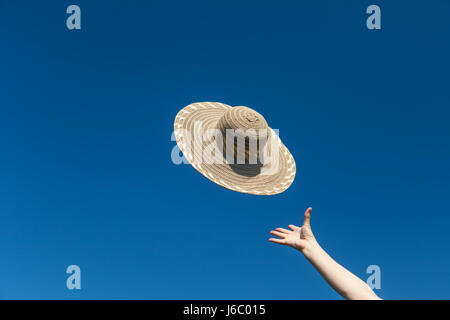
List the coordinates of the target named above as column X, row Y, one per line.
column 340, row 279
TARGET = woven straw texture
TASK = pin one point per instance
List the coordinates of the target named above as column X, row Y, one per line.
column 274, row 177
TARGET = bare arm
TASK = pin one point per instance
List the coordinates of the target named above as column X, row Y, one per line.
column 340, row 279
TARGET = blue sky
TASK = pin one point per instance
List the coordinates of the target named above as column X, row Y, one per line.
column 86, row 119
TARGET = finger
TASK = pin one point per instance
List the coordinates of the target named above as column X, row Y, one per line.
column 307, row 220
column 278, row 234
column 283, row 230
column 293, row 227
column 279, row 241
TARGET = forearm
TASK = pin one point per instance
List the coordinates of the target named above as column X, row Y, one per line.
column 340, row 279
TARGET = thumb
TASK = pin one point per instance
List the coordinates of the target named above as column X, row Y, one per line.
column 307, row 219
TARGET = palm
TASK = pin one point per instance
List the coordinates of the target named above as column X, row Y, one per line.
column 294, row 238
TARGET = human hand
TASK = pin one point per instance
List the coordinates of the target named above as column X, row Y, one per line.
column 300, row 238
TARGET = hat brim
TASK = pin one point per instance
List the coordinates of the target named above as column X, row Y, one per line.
column 271, row 179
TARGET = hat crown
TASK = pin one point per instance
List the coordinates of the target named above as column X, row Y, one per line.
column 242, row 117
column 245, row 127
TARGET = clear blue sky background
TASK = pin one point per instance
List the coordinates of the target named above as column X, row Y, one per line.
column 86, row 119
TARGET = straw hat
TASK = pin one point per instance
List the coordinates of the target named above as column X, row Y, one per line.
column 234, row 147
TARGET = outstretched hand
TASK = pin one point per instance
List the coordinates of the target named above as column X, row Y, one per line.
column 300, row 238
column 340, row 279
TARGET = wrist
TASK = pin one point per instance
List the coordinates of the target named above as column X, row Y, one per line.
column 311, row 249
